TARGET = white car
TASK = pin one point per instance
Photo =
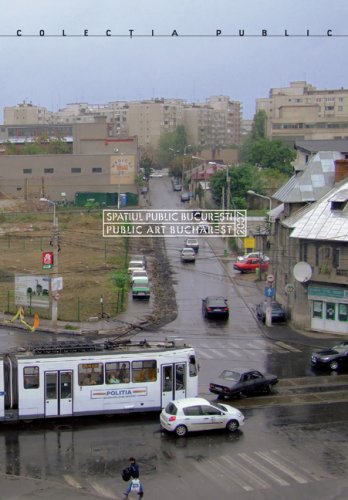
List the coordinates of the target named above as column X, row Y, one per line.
column 135, row 266
column 253, row 255
column 139, row 273
column 198, row 414
column 188, row 255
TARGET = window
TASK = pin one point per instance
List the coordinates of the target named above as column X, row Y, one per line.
column 180, row 376
column 75, row 170
column 91, row 374
column 192, row 367
column 331, row 310
column 144, row 371
column 48, row 170
column 31, row 377
column 210, row 410
column 96, row 170
column 117, row 372
column 192, row 411
column 303, row 252
column 342, row 312
column 27, row 170
column 317, row 309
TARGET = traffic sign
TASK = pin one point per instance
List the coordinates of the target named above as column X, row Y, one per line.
column 269, row 291
column 270, row 278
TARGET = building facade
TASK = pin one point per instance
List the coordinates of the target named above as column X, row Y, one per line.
column 303, row 112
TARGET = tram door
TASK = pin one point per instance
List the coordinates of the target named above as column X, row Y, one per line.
column 173, row 382
column 58, row 393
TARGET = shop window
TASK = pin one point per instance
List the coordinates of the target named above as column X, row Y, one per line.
column 342, row 312
column 317, row 309
column 330, row 310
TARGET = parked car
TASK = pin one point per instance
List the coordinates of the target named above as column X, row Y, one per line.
column 250, row 265
column 138, row 273
column 278, row 312
column 135, row 265
column 215, row 307
column 192, row 243
column 140, row 280
column 332, row 358
column 139, row 258
column 253, row 255
column 141, row 291
column 185, row 196
column 231, row 383
column 177, row 186
column 197, row 414
column 188, row 255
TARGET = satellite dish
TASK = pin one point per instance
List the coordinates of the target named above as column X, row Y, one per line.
column 302, row 272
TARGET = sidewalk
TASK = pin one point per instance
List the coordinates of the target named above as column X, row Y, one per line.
column 275, row 332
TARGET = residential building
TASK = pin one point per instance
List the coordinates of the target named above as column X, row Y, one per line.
column 311, row 226
column 26, row 113
column 303, row 112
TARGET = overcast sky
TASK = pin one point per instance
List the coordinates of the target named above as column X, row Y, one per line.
column 53, row 71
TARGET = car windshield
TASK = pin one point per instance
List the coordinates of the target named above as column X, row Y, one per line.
column 229, row 375
column 340, row 348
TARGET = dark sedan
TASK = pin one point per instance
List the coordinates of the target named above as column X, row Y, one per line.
column 278, row 313
column 332, row 358
column 237, row 383
column 215, row 307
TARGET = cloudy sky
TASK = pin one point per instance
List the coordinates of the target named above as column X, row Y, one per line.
column 54, row 70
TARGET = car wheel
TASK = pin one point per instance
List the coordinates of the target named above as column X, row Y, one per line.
column 181, row 431
column 334, row 365
column 232, row 426
column 268, row 389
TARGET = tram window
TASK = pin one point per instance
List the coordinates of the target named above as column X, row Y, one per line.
column 117, row 372
column 180, row 376
column 91, row 374
column 144, row 371
column 31, row 377
column 192, row 367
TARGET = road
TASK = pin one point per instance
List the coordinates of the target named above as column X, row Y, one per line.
column 293, row 444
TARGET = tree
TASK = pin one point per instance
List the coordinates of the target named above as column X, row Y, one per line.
column 241, row 179
column 271, row 154
column 171, row 145
column 146, row 163
column 259, row 126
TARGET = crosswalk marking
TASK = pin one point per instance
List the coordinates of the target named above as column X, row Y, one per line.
column 288, row 347
column 267, row 456
column 72, row 481
column 264, row 469
column 260, row 470
column 257, row 482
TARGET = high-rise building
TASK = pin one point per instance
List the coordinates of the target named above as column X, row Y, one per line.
column 302, row 112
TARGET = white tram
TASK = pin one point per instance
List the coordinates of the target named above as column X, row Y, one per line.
column 73, row 379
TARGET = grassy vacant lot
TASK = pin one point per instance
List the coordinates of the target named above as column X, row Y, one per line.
column 86, row 259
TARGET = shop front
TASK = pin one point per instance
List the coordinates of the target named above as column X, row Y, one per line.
column 329, row 309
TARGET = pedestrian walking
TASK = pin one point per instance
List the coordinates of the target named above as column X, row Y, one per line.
column 135, row 485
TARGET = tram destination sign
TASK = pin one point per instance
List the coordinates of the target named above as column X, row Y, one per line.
column 173, row 223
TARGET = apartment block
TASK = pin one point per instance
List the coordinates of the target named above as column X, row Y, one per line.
column 303, row 112
column 215, row 123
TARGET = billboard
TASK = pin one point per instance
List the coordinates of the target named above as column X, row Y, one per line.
column 32, row 291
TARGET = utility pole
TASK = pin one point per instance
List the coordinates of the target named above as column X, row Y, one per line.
column 55, row 243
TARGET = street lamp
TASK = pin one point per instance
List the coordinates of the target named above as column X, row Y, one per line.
column 54, row 301
column 265, row 197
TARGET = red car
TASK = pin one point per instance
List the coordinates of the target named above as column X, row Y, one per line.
column 250, row 265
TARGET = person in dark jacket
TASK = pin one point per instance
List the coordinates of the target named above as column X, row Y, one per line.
column 135, row 485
